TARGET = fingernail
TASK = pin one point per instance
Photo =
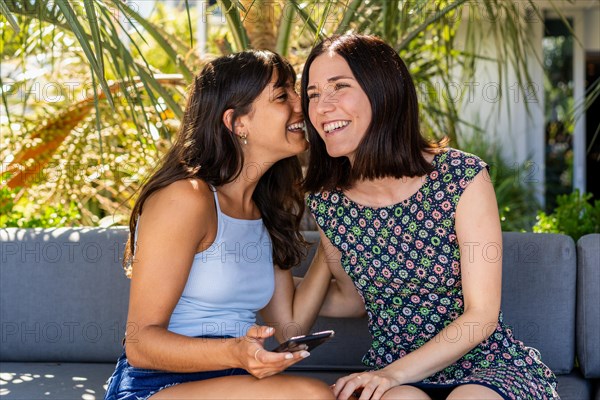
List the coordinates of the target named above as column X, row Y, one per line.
column 304, row 354
column 289, row 356
column 269, row 330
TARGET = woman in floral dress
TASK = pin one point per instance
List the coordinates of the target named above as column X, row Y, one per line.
column 411, row 233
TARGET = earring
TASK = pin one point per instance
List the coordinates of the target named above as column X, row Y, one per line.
column 243, row 136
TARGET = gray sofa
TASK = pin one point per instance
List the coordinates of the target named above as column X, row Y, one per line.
column 63, row 308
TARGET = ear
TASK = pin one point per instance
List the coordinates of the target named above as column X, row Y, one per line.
column 233, row 126
column 228, row 119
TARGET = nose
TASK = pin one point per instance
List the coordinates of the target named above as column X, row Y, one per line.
column 325, row 103
column 296, row 103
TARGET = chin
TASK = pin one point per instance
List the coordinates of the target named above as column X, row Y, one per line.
column 301, row 145
column 297, row 150
column 336, row 152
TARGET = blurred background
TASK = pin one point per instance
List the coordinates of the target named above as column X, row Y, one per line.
column 92, row 93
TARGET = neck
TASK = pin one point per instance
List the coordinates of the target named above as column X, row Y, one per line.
column 386, row 191
column 239, row 192
column 387, row 188
column 383, row 187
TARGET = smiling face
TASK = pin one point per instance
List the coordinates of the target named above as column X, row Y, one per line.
column 339, row 109
column 275, row 125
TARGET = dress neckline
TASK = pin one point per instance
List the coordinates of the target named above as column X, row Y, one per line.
column 407, row 201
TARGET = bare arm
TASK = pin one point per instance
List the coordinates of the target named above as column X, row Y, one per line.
column 343, row 299
column 477, row 229
column 294, row 307
column 168, row 239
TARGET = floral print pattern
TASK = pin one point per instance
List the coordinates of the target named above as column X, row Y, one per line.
column 404, row 260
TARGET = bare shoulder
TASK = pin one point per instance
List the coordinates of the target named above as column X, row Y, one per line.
column 480, row 185
column 187, row 195
column 477, row 204
column 186, row 205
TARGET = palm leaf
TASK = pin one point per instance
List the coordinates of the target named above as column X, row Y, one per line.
column 240, row 36
column 348, row 17
column 285, row 29
column 324, row 15
column 9, row 17
column 308, row 21
column 79, row 32
column 428, row 22
column 132, row 16
column 28, row 163
column 390, row 16
column 92, row 17
column 187, row 9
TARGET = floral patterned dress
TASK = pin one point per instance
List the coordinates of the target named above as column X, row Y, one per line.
column 404, row 260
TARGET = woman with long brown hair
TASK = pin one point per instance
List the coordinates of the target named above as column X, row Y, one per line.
column 213, row 235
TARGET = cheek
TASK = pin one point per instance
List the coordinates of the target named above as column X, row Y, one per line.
column 352, row 103
column 361, row 108
column 312, row 114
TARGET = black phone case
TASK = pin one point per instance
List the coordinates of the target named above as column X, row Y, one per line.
column 307, row 342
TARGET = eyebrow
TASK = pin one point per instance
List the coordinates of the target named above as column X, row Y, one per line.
column 332, row 79
column 284, row 86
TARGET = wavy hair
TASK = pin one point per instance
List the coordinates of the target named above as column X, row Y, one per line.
column 206, row 149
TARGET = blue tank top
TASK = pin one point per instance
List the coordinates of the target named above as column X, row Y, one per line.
column 228, row 282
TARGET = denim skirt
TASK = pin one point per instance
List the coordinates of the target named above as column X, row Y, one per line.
column 130, row 383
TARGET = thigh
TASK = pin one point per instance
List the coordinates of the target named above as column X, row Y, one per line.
column 248, row 387
column 405, row 392
column 474, row 392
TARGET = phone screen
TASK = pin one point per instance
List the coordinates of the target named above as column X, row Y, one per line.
column 305, row 342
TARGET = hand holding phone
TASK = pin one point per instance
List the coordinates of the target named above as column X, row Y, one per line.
column 304, row 342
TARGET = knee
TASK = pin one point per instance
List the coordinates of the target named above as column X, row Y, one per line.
column 473, row 392
column 405, row 392
column 307, row 388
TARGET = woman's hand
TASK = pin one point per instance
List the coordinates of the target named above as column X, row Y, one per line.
column 262, row 363
column 371, row 385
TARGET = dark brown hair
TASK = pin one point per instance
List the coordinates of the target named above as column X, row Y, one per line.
column 206, row 149
column 393, row 145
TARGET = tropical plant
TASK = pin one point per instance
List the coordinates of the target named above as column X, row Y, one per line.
column 574, row 215
column 122, row 109
column 70, row 142
column 18, row 211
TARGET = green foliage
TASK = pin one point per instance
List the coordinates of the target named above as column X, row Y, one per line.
column 76, row 49
column 574, row 216
column 169, row 21
column 513, row 183
column 18, row 211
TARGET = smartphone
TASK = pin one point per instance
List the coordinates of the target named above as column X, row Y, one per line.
column 304, row 342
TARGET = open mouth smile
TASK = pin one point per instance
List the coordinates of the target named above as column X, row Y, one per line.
column 330, row 127
column 296, row 127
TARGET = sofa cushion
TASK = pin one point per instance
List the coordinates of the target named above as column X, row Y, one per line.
column 574, row 387
column 64, row 294
column 28, row 381
column 588, row 305
column 538, row 294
